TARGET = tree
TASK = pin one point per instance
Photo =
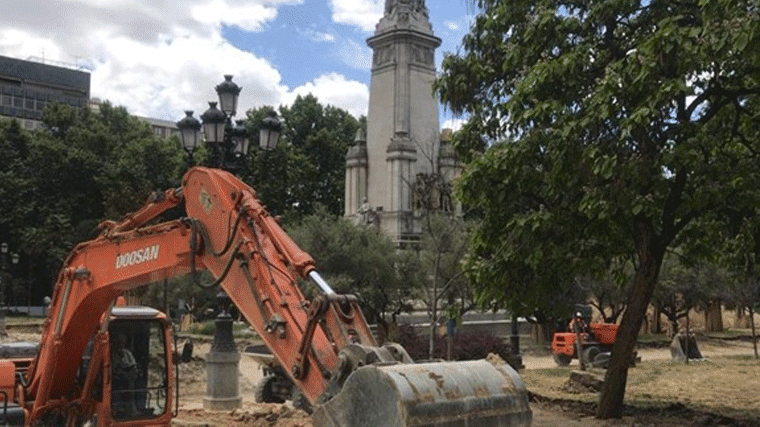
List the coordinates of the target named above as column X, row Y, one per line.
column 356, row 260
column 619, row 124
column 309, row 167
column 742, row 246
column 441, row 248
column 606, row 294
column 684, row 285
column 60, row 182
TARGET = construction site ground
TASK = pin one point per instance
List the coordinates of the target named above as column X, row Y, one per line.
column 720, row 390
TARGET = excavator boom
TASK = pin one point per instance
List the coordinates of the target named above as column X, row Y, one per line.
column 323, row 344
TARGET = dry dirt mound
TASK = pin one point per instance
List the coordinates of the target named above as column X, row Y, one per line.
column 252, row 415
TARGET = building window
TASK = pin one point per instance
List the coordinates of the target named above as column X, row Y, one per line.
column 18, row 102
column 29, row 104
column 7, row 100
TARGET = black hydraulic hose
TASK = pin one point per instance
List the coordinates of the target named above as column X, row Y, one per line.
column 230, row 236
column 197, row 228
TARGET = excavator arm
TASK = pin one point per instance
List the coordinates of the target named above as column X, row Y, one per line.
column 324, row 344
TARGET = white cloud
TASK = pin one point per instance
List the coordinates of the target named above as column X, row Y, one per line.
column 249, row 16
column 316, row 36
column 21, row 44
column 338, row 91
column 453, row 26
column 356, row 55
column 161, row 57
column 162, row 82
column 361, row 13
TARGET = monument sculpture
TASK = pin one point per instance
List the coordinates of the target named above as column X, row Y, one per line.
column 402, row 140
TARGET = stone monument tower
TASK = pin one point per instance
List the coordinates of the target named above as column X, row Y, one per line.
column 402, row 139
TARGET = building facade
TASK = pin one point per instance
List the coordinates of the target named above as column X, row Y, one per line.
column 402, row 147
column 26, row 87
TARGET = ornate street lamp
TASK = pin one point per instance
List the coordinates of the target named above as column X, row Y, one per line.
column 270, row 132
column 229, row 145
column 228, row 93
column 240, row 139
column 189, row 132
column 214, row 126
column 214, row 121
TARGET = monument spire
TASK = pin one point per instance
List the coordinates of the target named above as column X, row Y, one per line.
column 402, row 138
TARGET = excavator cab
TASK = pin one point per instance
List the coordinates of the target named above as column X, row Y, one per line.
column 138, row 383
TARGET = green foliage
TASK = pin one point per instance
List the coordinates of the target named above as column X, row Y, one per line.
column 308, row 167
column 684, row 285
column 614, row 116
column 606, row 129
column 57, row 184
column 165, row 296
column 355, row 260
column 439, row 256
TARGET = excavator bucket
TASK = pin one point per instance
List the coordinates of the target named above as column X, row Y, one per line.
column 446, row 394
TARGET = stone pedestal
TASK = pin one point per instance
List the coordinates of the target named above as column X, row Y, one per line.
column 222, row 383
column 222, row 369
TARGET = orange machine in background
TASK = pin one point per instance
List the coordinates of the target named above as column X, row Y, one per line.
column 596, row 340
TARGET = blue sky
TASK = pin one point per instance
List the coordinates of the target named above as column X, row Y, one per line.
column 161, row 57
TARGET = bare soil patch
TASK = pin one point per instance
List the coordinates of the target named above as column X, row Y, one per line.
column 718, row 390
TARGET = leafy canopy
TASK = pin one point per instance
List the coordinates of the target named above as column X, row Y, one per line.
column 58, row 183
column 600, row 117
column 309, row 166
column 356, row 260
column 608, row 128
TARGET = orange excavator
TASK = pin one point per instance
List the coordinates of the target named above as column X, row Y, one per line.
column 77, row 377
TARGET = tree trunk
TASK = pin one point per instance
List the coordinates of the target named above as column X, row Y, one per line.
column 579, row 343
column 656, row 321
column 673, row 328
column 431, row 338
column 538, row 334
column 752, row 323
column 714, row 317
column 382, row 330
column 742, row 321
column 688, row 327
column 645, row 278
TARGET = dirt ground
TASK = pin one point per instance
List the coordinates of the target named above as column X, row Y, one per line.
column 719, row 390
column 660, row 393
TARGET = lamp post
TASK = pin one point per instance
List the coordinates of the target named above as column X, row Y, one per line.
column 4, row 254
column 4, row 268
column 4, row 283
column 228, row 144
column 222, row 363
